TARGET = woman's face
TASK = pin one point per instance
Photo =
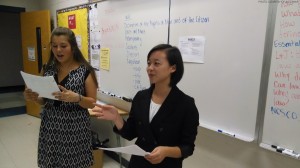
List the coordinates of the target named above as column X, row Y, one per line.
column 61, row 48
column 159, row 69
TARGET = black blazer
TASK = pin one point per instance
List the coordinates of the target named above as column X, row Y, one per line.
column 175, row 124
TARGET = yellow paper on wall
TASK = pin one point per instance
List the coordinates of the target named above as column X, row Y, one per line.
column 104, row 58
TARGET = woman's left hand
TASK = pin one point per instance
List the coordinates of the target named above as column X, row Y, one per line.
column 156, row 156
column 66, row 95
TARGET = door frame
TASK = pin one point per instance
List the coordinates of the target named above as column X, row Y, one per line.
column 12, row 9
column 35, row 32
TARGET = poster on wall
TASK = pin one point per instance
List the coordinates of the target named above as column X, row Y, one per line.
column 76, row 19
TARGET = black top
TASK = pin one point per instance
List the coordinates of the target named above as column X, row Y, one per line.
column 175, row 124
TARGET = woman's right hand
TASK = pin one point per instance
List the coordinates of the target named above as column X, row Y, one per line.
column 108, row 112
column 30, row 95
column 105, row 112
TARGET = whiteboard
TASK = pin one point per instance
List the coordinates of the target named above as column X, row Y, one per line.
column 282, row 110
column 226, row 85
column 129, row 29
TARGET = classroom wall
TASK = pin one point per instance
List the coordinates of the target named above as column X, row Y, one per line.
column 212, row 150
column 29, row 5
column 11, row 50
column 11, row 42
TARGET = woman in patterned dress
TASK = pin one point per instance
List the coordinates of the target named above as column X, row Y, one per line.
column 65, row 133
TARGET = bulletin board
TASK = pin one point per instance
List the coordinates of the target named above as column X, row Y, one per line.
column 76, row 18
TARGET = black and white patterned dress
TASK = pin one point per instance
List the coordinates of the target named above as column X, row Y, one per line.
column 65, row 132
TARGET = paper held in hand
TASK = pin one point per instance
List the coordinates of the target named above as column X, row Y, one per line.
column 131, row 149
column 43, row 85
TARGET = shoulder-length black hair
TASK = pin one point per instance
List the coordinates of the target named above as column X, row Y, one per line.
column 174, row 58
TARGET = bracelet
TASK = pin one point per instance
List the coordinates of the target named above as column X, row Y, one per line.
column 80, row 98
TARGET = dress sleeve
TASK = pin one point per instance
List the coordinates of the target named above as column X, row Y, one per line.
column 87, row 74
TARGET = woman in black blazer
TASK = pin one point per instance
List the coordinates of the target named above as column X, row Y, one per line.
column 162, row 118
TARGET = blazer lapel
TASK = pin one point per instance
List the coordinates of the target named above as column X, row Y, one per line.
column 145, row 101
column 146, row 106
column 167, row 107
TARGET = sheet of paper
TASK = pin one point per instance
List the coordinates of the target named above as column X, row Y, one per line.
column 31, row 53
column 43, row 85
column 131, row 149
column 105, row 58
column 192, row 48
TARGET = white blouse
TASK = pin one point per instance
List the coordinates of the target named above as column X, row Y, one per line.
column 153, row 110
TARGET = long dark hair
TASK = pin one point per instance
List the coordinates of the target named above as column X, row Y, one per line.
column 77, row 55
